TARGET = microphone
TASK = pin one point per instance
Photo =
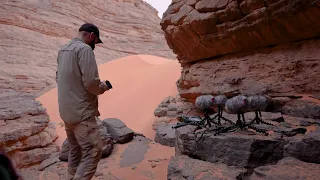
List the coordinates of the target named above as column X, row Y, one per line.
column 204, row 102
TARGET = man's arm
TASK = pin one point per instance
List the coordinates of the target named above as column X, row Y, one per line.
column 89, row 69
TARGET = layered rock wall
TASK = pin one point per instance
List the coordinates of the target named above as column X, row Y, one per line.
column 33, row 31
column 248, row 47
column 25, row 132
column 201, row 29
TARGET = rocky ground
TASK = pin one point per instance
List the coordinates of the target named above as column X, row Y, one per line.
column 123, row 151
column 291, row 147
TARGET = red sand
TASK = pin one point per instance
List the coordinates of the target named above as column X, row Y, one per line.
column 140, row 83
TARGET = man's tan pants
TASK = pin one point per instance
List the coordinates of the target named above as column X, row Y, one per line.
column 84, row 149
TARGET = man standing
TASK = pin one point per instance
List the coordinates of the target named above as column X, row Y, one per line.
column 78, row 87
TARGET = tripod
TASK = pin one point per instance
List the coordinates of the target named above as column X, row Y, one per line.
column 240, row 124
column 219, row 116
column 258, row 119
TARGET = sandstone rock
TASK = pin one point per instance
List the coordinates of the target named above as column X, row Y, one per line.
column 309, row 122
column 305, row 148
column 234, row 23
column 160, row 112
column 162, row 120
column 64, row 153
column 41, row 139
column 48, row 162
column 208, row 77
column 26, row 134
column 302, row 108
column 232, row 149
column 185, row 168
column 118, row 130
column 287, row 169
column 171, row 108
column 28, row 33
column 47, row 175
column 165, row 135
column 34, row 156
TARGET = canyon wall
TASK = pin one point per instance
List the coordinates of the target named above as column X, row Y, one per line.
column 248, row 47
column 32, row 32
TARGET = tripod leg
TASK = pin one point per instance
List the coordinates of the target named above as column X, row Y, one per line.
column 208, row 122
column 257, row 118
column 260, row 114
column 243, row 120
column 219, row 115
column 259, row 130
column 228, row 120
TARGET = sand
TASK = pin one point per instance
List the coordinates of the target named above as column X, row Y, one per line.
column 140, row 83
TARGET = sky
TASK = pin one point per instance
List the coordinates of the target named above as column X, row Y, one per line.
column 160, row 5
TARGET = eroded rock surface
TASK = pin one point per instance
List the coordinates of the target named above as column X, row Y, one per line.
column 118, row 130
column 33, row 31
column 201, row 29
column 165, row 135
column 248, row 47
column 232, row 149
column 25, row 132
column 287, row 169
column 186, row 168
column 173, row 107
column 250, row 149
column 305, row 148
column 280, row 72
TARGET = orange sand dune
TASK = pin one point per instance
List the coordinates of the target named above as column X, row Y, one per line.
column 139, row 82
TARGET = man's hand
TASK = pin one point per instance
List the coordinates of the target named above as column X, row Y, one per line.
column 104, row 86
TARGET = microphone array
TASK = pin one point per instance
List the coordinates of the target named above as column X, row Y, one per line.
column 238, row 105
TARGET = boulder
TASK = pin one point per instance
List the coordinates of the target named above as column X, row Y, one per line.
column 118, row 130
column 306, row 148
column 287, row 169
column 186, row 168
column 165, row 135
column 64, row 152
column 233, row 149
column 26, row 134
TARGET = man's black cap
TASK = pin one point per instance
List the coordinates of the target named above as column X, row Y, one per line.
column 88, row 27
